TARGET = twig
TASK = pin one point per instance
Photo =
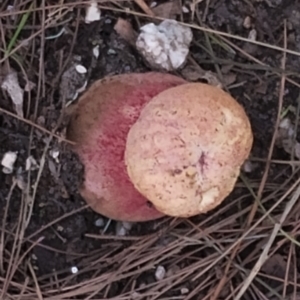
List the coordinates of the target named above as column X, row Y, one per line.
column 144, row 7
column 35, row 126
column 264, row 256
column 277, row 227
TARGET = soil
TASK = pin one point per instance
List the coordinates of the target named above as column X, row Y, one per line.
column 63, row 233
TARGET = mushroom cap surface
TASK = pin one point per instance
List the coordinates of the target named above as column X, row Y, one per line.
column 99, row 126
column 185, row 151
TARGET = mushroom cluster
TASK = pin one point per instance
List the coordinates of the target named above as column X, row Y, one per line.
column 153, row 144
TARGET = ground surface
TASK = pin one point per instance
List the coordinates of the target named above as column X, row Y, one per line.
column 47, row 228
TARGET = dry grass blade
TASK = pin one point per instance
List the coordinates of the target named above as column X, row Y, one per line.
column 144, row 7
column 60, row 138
column 52, row 246
column 263, row 256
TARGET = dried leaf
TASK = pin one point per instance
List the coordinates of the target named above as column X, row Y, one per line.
column 168, row 10
column 268, row 222
column 29, row 86
column 20, row 182
column 287, row 145
column 11, row 85
column 226, row 68
column 262, row 88
column 285, row 138
column 276, row 266
column 192, row 73
column 229, row 79
column 72, row 82
column 52, row 168
column 125, row 30
column 31, row 164
column 212, row 79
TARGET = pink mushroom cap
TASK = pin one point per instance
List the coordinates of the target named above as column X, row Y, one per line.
column 99, row 126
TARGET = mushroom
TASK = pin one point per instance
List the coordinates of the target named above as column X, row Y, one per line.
column 185, row 151
column 99, row 127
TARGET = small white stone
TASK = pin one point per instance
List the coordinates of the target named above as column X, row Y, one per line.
column 184, row 291
column 93, row 13
column 55, row 154
column 120, row 229
column 99, row 222
column 41, row 120
column 11, row 8
column 81, row 69
column 111, row 52
column 247, row 166
column 10, row 83
column 96, row 51
column 166, row 45
column 136, row 295
column 127, row 225
column 252, row 35
column 285, row 123
column 160, row 273
column 74, row 270
column 247, row 22
column 60, row 228
column 185, row 10
column 8, row 161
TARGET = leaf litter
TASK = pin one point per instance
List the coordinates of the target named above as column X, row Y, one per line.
column 11, row 85
column 212, row 252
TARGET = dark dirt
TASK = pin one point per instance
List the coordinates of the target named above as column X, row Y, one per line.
column 65, row 244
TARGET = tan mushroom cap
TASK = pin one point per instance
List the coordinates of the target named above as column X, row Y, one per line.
column 185, row 151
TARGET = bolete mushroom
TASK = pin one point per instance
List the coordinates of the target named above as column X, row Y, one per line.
column 185, row 150
column 153, row 144
column 99, row 127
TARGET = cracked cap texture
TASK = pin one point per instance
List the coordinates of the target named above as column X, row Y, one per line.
column 185, row 150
